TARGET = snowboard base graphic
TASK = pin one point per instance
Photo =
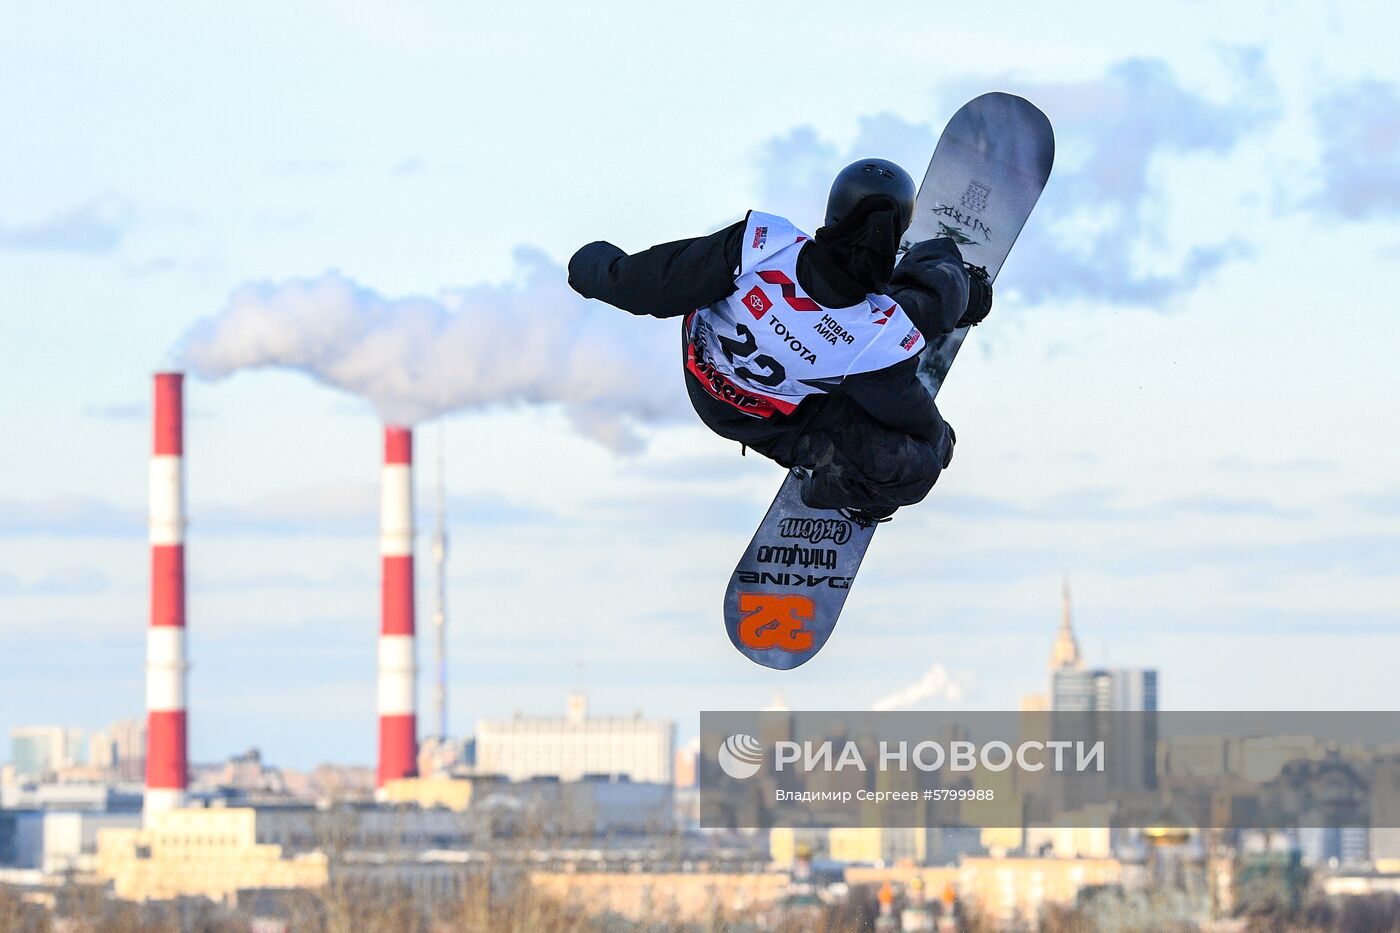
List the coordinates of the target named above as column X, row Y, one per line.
column 786, row 594
column 787, row 591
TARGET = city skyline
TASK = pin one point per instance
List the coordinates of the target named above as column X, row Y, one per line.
column 935, row 686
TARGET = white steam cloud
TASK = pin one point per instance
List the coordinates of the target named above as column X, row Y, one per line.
column 936, row 684
column 531, row 342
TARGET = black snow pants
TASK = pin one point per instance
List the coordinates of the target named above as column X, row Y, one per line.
column 855, row 461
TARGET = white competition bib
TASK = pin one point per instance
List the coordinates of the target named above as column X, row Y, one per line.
column 769, row 345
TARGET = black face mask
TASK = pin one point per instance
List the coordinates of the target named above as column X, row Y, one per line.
column 865, row 242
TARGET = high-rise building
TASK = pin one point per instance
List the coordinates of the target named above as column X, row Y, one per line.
column 36, row 751
column 1132, row 690
column 1090, row 704
column 1118, row 704
column 1104, row 690
column 120, row 750
column 1064, row 655
column 575, row 745
column 1073, row 688
column 687, row 765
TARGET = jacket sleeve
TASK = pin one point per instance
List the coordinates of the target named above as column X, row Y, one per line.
column 896, row 398
column 665, row 281
column 930, row 284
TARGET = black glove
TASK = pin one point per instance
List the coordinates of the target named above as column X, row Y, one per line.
column 588, row 267
column 938, row 248
column 979, row 296
column 952, row 442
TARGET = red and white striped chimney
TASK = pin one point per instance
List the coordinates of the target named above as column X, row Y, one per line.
column 398, row 666
column 166, row 763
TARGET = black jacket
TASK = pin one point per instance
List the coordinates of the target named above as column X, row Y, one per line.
column 673, row 279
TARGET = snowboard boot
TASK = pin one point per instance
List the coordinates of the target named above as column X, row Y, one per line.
column 862, row 517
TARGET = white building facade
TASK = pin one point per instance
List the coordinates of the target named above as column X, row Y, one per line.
column 575, row 745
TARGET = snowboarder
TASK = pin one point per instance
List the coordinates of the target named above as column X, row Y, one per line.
column 806, row 349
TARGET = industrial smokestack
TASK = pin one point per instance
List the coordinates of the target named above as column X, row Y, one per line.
column 398, row 726
column 167, row 764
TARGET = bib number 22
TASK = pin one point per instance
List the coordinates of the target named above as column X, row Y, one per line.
column 744, row 349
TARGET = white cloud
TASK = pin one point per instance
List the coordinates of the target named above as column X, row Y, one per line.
column 69, row 516
column 96, row 225
column 937, row 684
column 1100, row 213
column 70, row 580
column 1360, row 135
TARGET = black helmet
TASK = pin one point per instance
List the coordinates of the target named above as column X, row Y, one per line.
column 869, row 177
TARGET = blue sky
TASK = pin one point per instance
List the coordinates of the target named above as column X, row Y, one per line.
column 1185, row 398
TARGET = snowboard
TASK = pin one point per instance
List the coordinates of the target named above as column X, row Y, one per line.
column 987, row 171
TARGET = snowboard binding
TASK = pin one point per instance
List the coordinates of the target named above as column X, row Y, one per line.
column 979, row 296
column 868, row 518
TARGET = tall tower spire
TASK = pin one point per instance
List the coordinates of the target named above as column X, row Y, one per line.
column 440, row 607
column 1065, row 653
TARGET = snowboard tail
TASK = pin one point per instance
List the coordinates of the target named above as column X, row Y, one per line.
column 786, row 594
